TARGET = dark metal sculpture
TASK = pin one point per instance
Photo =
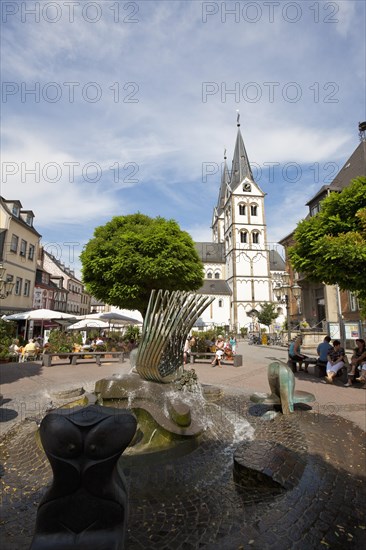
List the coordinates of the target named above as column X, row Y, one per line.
column 86, row 506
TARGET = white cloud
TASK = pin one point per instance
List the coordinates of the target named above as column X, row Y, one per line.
column 171, row 131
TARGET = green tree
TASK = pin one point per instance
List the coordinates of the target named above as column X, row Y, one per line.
column 131, row 255
column 267, row 313
column 331, row 246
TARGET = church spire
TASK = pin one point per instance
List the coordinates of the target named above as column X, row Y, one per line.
column 224, row 187
column 241, row 167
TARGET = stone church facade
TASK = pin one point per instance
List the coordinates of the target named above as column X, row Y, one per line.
column 238, row 264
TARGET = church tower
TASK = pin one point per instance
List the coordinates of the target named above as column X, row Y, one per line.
column 239, row 224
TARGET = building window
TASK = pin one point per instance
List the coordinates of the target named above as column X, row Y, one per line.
column 29, row 220
column 255, row 237
column 217, row 275
column 253, row 210
column 23, row 248
column 14, row 244
column 18, row 286
column 31, row 252
column 209, row 275
column 220, row 303
column 27, row 285
column 15, row 210
column 314, row 210
column 243, row 237
column 242, row 209
column 353, row 303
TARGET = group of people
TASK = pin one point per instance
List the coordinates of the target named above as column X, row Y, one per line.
column 221, row 348
column 21, row 353
column 334, row 358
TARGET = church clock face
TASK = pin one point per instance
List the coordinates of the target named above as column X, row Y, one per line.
column 247, row 187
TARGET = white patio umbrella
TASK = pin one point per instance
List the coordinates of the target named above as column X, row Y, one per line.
column 86, row 324
column 114, row 318
column 40, row 315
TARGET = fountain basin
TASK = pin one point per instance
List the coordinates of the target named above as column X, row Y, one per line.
column 166, row 416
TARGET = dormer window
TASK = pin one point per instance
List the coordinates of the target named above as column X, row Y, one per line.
column 15, row 210
column 29, row 220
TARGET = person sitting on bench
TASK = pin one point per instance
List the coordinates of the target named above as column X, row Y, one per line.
column 295, row 353
column 336, row 360
column 220, row 343
column 358, row 357
column 323, row 349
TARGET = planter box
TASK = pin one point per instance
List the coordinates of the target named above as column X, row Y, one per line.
column 311, row 339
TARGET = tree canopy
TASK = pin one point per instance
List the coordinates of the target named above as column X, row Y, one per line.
column 331, row 246
column 131, row 255
column 267, row 314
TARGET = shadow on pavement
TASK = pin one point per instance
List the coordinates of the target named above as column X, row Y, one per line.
column 10, row 372
column 7, row 414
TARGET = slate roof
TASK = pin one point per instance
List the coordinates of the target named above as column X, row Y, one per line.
column 321, row 194
column 276, row 262
column 225, row 184
column 215, row 286
column 4, row 203
column 354, row 167
column 241, row 168
column 211, row 252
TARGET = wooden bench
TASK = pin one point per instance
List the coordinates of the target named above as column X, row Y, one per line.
column 309, row 361
column 74, row 356
column 319, row 367
column 194, row 356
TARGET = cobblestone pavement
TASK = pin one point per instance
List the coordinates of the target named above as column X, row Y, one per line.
column 192, row 501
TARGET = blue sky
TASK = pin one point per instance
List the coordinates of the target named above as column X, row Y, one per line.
column 131, row 107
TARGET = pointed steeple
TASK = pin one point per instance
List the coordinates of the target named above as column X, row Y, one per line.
column 241, row 167
column 224, row 187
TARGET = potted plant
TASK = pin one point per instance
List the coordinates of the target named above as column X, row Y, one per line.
column 7, row 333
column 60, row 342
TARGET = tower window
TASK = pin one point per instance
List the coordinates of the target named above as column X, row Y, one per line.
column 255, row 237
column 217, row 275
column 242, row 209
column 243, row 237
column 209, row 275
column 254, row 210
column 220, row 303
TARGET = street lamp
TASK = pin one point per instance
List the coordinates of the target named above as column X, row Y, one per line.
column 6, row 287
column 282, row 291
